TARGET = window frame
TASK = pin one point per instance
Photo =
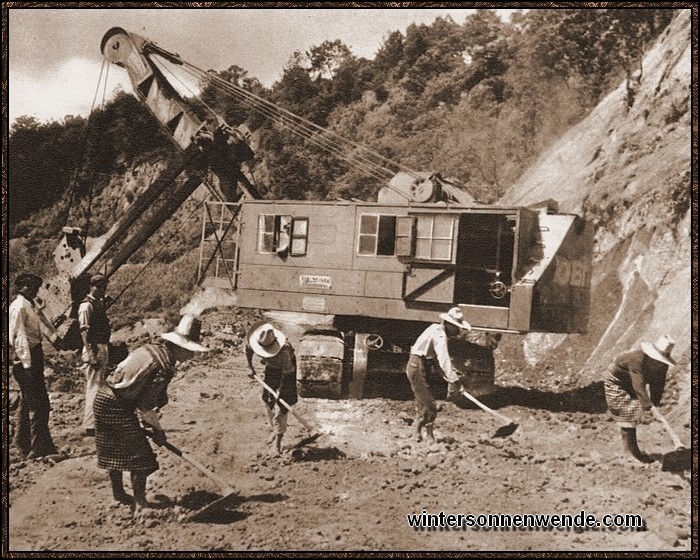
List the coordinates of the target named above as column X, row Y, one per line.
column 405, row 245
column 295, row 236
column 262, row 232
column 294, row 223
column 417, row 238
column 377, row 235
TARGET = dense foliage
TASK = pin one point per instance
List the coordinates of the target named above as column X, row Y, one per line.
column 52, row 165
column 476, row 101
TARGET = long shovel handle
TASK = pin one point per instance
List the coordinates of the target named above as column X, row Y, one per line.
column 225, row 487
column 284, row 403
column 481, row 405
column 660, row 417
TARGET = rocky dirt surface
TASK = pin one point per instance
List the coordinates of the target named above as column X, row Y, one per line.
column 350, row 489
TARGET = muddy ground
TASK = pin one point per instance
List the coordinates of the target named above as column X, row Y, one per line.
column 352, row 488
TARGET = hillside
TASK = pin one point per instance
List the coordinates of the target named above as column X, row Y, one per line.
column 626, row 168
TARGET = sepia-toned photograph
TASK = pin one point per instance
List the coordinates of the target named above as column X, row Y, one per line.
column 388, row 279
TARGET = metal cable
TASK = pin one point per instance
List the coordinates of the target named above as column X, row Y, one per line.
column 309, row 124
column 159, row 251
column 359, row 161
column 309, row 131
column 306, row 129
column 83, row 144
column 92, row 185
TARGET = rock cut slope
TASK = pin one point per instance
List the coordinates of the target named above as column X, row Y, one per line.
column 628, row 169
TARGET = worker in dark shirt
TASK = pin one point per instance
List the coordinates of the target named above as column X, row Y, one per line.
column 634, row 383
column 95, row 331
column 277, row 355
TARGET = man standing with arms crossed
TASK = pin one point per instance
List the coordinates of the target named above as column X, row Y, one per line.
column 27, row 326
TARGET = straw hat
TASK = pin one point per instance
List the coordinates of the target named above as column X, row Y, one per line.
column 661, row 350
column 266, row 341
column 456, row 317
column 187, row 334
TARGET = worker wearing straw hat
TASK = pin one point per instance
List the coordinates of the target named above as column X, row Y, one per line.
column 432, row 346
column 131, row 396
column 626, row 392
column 277, row 355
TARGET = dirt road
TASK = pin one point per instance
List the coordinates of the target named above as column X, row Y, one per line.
column 354, row 486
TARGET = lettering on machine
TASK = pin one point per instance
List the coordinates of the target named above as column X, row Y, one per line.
column 309, row 281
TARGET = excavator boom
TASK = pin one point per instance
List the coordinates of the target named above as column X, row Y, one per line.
column 202, row 145
column 133, row 53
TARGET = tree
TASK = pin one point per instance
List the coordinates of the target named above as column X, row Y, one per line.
column 45, row 160
column 226, row 92
column 630, row 33
column 352, row 78
column 430, row 51
column 326, row 58
column 24, row 123
column 481, row 29
column 297, row 92
column 389, row 54
column 488, row 44
column 42, row 158
column 589, row 45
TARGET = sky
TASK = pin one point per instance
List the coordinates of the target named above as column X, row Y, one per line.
column 55, row 59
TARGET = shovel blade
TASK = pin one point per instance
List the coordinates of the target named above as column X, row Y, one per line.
column 677, row 460
column 306, row 441
column 505, row 431
column 215, row 509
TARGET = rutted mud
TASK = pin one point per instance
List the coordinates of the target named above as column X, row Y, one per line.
column 352, row 487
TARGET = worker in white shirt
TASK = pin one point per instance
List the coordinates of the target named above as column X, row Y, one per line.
column 432, row 346
column 27, row 326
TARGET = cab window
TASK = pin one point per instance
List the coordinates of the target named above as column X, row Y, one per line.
column 434, row 237
column 377, row 235
column 284, row 235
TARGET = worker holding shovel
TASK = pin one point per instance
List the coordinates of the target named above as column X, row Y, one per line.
column 277, row 355
column 432, row 346
column 134, row 390
column 626, row 390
